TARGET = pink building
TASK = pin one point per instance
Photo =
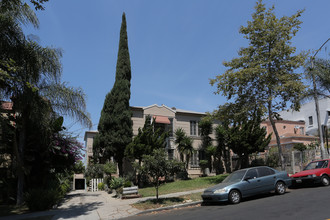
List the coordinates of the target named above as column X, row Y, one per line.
column 290, row 132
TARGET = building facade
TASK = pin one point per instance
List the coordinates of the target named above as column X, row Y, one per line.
column 290, row 132
column 167, row 119
column 307, row 114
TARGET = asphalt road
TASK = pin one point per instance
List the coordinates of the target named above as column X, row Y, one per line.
column 303, row 203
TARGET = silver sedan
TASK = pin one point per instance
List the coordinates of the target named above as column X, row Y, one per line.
column 248, row 182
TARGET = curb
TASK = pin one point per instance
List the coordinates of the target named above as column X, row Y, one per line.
column 169, row 207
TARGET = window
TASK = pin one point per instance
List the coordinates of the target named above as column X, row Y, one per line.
column 193, row 128
column 170, row 154
column 264, row 171
column 310, row 119
column 194, row 162
column 251, row 174
column 302, row 130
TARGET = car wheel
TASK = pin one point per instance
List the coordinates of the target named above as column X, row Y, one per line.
column 234, row 197
column 280, row 188
column 325, row 180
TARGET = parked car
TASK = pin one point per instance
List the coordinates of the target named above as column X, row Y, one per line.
column 248, row 182
column 315, row 172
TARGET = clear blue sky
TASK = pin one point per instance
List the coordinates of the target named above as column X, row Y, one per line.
column 175, row 46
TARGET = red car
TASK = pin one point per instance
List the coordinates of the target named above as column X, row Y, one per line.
column 315, row 172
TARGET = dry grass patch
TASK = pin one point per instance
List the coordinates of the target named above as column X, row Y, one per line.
column 165, row 202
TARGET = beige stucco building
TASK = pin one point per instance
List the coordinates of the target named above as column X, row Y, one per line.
column 168, row 119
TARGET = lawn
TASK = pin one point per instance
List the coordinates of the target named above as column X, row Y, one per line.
column 183, row 185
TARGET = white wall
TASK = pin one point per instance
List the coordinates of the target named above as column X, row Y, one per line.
column 308, row 110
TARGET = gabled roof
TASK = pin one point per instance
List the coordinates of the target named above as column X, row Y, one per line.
column 173, row 109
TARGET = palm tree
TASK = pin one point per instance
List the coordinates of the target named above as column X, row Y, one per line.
column 30, row 73
column 184, row 143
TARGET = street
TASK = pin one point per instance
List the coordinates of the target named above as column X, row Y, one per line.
column 302, row 203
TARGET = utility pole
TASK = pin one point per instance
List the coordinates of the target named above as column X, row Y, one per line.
column 317, row 109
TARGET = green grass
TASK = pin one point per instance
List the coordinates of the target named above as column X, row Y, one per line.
column 183, row 185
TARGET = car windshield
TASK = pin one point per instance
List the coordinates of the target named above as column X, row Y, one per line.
column 235, row 177
column 317, row 165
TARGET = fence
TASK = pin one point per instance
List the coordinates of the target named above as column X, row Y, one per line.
column 294, row 161
column 94, row 183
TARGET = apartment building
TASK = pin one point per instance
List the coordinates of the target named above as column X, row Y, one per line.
column 307, row 114
column 290, row 132
column 168, row 119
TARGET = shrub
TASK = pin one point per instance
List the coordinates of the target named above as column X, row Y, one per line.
column 116, row 183
column 65, row 186
column 127, row 183
column 100, row 186
column 107, row 180
column 41, row 199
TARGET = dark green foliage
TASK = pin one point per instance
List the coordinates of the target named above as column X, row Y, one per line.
column 300, row 147
column 117, row 183
column 48, row 193
column 222, row 155
column 156, row 166
column 203, row 165
column 42, row 199
column 115, row 125
column 184, row 145
column 205, row 126
column 146, row 141
column 94, row 171
column 241, row 131
column 30, row 76
column 79, row 167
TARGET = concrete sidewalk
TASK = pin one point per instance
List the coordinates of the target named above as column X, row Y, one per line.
column 93, row 205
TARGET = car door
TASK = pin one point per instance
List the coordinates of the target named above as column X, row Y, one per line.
column 250, row 184
column 267, row 179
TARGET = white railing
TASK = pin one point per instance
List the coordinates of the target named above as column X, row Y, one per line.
column 94, row 183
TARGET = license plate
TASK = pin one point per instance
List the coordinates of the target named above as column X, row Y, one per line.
column 298, row 181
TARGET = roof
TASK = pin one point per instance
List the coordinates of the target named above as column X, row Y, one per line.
column 7, row 105
column 173, row 109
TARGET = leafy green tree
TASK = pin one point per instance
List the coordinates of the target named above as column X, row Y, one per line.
column 146, row 141
column 206, row 129
column 222, row 154
column 79, row 167
column 247, row 138
column 240, row 131
column 157, row 166
column 115, row 125
column 185, row 147
column 265, row 69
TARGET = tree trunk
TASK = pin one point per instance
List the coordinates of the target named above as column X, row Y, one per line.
column 157, row 185
column 278, row 140
column 120, row 166
column 19, row 149
column 319, row 125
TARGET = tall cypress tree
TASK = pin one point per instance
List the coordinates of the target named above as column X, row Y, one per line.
column 115, row 125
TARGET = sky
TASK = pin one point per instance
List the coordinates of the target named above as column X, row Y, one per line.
column 176, row 46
